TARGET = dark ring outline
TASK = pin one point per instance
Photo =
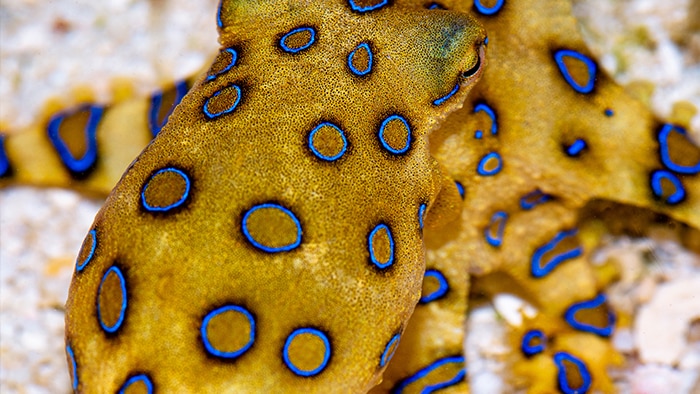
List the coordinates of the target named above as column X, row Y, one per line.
column 216, row 352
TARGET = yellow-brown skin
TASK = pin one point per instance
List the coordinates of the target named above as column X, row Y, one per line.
column 537, row 110
column 181, row 264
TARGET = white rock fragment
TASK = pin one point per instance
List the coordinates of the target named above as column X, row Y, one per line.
column 658, row 379
column 623, row 340
column 512, row 308
column 485, row 351
column 661, row 327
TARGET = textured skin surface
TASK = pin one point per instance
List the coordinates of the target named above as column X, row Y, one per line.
column 234, row 236
column 538, row 116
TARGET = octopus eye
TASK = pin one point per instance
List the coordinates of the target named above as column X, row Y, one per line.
column 472, row 71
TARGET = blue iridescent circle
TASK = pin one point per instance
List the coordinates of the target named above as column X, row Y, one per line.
column 4, row 161
column 590, row 66
column 559, row 359
column 401, row 386
column 122, row 312
column 351, row 56
column 526, row 345
column 421, row 215
column 485, row 108
column 135, row 379
column 447, row 96
column 609, row 112
column 157, row 100
column 74, row 367
column 229, row 66
column 79, row 266
column 481, row 168
column 679, row 192
column 205, row 338
column 498, row 220
column 391, row 246
column 460, row 189
column 442, row 289
column 77, row 165
column 488, row 10
column 576, row 148
column 665, row 154
column 533, row 199
column 177, row 203
column 362, row 9
column 326, row 356
column 213, row 115
column 389, row 350
column 290, row 214
column 408, row 135
column 219, row 22
column 538, row 269
column 319, row 154
column 570, row 317
column 312, row 39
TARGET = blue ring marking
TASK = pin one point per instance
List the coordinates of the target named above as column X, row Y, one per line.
column 358, row 8
column 481, row 107
column 441, row 290
column 284, row 38
column 484, row 160
column 219, row 22
column 268, row 249
column 386, row 356
column 677, row 196
column 351, row 56
column 425, row 371
column 90, row 156
column 460, row 189
column 4, row 161
column 576, row 148
column 486, row 10
column 234, row 59
column 327, row 355
column 570, row 317
column 236, row 353
column 421, row 215
column 319, row 154
column 391, row 246
column 435, row 6
column 74, row 367
column 447, row 96
column 486, row 41
column 157, row 100
column 534, row 198
column 609, row 112
column 408, row 135
column 538, row 269
column 138, row 378
column 80, row 266
column 478, row 134
column 590, row 65
column 666, row 156
column 177, row 203
column 559, row 359
column 499, row 218
column 211, row 115
column 526, row 345
column 122, row 282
